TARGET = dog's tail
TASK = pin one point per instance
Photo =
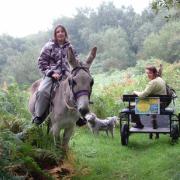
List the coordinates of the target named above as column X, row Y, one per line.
column 114, row 120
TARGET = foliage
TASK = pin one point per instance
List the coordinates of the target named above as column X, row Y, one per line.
column 19, row 160
column 25, row 150
column 16, row 54
column 172, row 7
column 10, row 46
column 157, row 4
column 22, row 67
column 165, row 44
column 113, row 49
column 13, row 101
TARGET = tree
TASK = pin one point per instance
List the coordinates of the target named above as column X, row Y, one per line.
column 157, row 5
column 10, row 46
column 141, row 34
column 23, row 67
column 113, row 49
column 168, row 4
column 165, row 44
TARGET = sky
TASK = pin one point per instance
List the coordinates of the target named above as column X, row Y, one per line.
column 19, row 18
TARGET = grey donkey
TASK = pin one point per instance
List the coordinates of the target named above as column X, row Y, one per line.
column 95, row 124
column 71, row 99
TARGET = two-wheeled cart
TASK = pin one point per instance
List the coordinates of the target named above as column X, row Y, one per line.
column 167, row 121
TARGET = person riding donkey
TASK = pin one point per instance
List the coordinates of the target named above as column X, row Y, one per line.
column 53, row 63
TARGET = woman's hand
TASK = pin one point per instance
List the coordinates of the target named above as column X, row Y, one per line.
column 56, row 76
column 136, row 93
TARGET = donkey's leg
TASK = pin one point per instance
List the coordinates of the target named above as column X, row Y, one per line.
column 67, row 135
column 56, row 134
column 49, row 124
column 57, row 141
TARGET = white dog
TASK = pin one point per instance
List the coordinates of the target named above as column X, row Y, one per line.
column 96, row 124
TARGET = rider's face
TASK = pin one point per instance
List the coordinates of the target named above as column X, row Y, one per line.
column 60, row 35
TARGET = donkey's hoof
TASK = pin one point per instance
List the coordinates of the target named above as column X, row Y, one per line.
column 37, row 120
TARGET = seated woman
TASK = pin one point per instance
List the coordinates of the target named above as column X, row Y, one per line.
column 156, row 86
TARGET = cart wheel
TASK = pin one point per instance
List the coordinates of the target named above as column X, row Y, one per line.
column 124, row 135
column 174, row 132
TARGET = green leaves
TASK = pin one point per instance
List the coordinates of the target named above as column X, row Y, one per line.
column 158, row 4
column 165, row 44
column 13, row 101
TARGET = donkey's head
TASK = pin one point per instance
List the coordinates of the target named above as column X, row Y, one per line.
column 81, row 81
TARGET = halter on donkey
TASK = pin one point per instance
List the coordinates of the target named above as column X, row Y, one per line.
column 71, row 99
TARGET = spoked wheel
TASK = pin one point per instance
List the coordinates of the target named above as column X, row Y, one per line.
column 124, row 135
column 175, row 132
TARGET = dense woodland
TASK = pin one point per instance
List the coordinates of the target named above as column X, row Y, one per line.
column 121, row 35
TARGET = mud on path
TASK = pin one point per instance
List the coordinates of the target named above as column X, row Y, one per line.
column 67, row 169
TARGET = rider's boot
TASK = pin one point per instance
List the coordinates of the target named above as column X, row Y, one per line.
column 138, row 125
column 38, row 120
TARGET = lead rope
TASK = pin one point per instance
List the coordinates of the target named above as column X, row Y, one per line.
column 68, row 106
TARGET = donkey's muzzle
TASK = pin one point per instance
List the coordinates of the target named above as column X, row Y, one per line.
column 83, row 111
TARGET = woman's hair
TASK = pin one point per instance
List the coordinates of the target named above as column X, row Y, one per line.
column 63, row 28
column 153, row 70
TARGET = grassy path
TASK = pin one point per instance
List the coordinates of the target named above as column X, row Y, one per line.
column 101, row 158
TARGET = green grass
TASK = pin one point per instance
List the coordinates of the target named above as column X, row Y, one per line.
column 102, row 157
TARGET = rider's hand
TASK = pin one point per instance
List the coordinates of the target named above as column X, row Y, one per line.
column 56, row 76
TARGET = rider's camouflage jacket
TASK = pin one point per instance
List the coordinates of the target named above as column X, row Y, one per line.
column 53, row 58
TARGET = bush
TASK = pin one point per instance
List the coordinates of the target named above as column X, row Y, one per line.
column 13, row 101
column 165, row 44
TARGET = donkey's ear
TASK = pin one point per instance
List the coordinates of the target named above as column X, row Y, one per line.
column 71, row 58
column 91, row 56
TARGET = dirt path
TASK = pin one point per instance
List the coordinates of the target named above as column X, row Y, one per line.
column 65, row 170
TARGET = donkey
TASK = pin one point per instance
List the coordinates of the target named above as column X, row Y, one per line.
column 71, row 99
